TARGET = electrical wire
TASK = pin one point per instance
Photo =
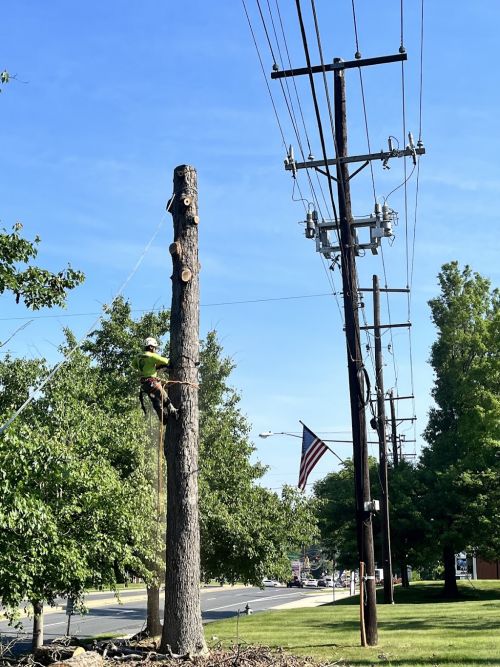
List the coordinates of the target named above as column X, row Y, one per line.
column 264, row 73
column 33, row 393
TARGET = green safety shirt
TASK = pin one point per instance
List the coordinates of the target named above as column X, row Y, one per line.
column 147, row 363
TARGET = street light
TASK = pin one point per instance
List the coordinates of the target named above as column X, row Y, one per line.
column 268, row 434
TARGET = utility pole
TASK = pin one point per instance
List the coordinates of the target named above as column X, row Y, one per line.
column 348, row 247
column 182, row 627
column 379, row 382
column 355, row 367
column 394, row 431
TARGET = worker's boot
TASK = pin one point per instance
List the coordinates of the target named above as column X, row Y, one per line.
column 171, row 410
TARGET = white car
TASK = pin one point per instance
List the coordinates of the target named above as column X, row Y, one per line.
column 311, row 583
column 270, row 583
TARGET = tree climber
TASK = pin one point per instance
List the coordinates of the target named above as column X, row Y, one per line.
column 148, row 363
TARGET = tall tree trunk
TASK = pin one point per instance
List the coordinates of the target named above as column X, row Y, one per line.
column 182, row 626
column 153, row 624
column 37, row 640
column 450, row 572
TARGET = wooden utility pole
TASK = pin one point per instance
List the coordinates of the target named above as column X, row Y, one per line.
column 347, row 246
column 384, row 509
column 394, row 431
column 355, row 366
column 182, row 627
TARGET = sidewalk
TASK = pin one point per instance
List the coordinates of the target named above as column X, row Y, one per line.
column 325, row 597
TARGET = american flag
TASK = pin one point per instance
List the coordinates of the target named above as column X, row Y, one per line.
column 312, row 450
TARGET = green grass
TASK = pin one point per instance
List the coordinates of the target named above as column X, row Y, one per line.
column 420, row 629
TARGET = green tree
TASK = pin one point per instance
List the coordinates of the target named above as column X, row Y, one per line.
column 459, row 466
column 74, row 492
column 337, row 520
column 247, row 531
column 34, row 286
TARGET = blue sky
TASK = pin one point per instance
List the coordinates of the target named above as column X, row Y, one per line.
column 117, row 94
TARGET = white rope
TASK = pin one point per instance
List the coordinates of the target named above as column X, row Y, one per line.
column 49, row 377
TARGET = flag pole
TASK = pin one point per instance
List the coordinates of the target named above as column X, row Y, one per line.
column 334, row 453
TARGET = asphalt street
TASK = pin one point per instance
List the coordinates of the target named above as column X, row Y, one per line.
column 108, row 615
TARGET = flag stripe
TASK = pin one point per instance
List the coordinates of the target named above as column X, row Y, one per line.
column 312, row 450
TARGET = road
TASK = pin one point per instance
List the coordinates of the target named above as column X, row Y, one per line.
column 107, row 615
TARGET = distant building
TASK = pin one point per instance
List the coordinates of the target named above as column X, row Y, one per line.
column 483, row 569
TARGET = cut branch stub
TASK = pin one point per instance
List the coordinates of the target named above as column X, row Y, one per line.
column 196, row 219
column 186, row 200
column 175, row 248
column 186, row 275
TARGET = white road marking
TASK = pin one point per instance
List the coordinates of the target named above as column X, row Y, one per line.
column 49, row 625
column 235, row 604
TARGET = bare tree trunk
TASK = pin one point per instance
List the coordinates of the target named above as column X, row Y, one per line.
column 37, row 640
column 182, row 627
column 450, row 580
column 153, row 624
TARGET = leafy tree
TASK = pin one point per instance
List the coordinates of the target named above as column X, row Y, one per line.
column 410, row 539
column 74, row 493
column 34, row 286
column 459, row 466
column 247, row 531
column 257, row 526
column 337, row 519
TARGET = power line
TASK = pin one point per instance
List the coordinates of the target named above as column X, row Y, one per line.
column 154, row 310
column 70, row 353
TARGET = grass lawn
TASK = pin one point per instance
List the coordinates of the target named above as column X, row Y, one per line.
column 420, row 629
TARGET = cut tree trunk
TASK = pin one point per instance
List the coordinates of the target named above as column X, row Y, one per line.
column 37, row 640
column 450, row 578
column 153, row 623
column 182, row 626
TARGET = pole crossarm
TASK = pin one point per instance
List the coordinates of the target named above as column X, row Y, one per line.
column 387, row 326
column 383, row 155
column 398, row 398
column 405, row 290
column 341, row 65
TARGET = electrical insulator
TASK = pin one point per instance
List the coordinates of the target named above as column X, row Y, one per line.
column 387, row 220
column 310, row 225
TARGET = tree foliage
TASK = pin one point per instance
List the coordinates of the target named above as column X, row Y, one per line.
column 74, row 492
column 247, row 531
column 34, row 286
column 78, row 506
column 460, row 466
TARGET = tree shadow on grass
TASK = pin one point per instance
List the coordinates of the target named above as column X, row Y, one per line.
column 218, row 615
column 428, row 594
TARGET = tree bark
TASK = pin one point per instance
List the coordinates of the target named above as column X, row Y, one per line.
column 450, row 579
column 37, row 640
column 182, row 626
column 153, row 623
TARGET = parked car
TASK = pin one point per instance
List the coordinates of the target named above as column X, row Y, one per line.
column 328, row 581
column 310, row 583
column 270, row 583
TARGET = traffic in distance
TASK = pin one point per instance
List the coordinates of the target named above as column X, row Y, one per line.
column 327, row 581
